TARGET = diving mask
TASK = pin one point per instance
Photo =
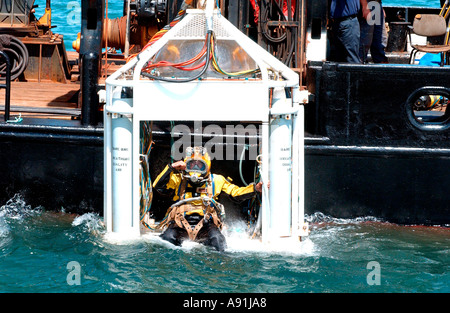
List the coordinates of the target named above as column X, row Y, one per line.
column 198, row 164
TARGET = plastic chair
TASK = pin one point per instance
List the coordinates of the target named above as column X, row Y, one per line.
column 429, row 25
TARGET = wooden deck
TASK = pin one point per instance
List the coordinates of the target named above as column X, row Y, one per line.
column 44, row 99
column 47, row 99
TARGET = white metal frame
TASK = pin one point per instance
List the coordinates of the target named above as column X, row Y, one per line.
column 219, row 100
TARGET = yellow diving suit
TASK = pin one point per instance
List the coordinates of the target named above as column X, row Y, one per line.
column 196, row 214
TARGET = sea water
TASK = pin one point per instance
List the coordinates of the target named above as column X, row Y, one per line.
column 43, row 251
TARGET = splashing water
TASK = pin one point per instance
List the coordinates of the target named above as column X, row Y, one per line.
column 37, row 246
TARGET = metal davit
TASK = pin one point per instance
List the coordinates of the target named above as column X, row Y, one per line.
column 204, row 68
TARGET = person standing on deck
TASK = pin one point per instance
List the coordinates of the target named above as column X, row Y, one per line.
column 345, row 30
column 372, row 32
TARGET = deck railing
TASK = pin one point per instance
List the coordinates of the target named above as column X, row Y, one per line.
column 7, row 85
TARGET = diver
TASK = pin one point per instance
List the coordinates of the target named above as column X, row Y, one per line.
column 196, row 214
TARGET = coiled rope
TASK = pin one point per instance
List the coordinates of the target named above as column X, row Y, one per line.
column 18, row 54
column 115, row 30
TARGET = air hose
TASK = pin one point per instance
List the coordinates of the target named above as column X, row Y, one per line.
column 17, row 53
column 240, row 165
column 265, row 15
column 203, row 71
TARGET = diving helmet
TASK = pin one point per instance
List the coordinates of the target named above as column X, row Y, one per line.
column 198, row 164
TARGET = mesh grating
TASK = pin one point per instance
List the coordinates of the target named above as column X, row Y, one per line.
column 219, row 29
column 195, row 28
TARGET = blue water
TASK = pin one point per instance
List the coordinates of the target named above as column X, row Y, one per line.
column 66, row 15
column 44, row 251
column 37, row 248
column 416, row 3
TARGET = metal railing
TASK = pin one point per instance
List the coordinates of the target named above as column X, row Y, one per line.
column 7, row 85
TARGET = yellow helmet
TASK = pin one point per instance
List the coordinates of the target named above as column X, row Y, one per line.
column 198, row 162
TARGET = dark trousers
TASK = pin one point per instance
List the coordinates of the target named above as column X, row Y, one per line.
column 372, row 37
column 209, row 235
column 345, row 37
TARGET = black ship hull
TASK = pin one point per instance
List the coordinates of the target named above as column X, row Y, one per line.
column 372, row 156
column 61, row 168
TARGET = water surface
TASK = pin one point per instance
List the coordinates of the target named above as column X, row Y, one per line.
column 36, row 247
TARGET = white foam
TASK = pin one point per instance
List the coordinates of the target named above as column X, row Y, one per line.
column 154, row 238
column 242, row 242
column 90, row 219
column 238, row 240
column 121, row 238
column 4, row 228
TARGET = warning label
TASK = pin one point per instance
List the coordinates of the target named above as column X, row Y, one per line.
column 121, row 158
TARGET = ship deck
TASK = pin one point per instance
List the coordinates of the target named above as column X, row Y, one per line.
column 48, row 99
column 43, row 99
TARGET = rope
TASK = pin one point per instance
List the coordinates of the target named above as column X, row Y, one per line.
column 146, row 190
column 16, row 119
column 18, row 54
column 115, row 32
